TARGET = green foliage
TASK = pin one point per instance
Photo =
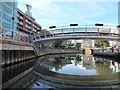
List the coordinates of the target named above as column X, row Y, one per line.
column 103, row 69
column 101, row 43
column 57, row 44
column 78, row 59
column 78, row 45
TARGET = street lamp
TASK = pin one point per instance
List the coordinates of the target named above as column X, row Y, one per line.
column 118, row 26
column 13, row 20
column 52, row 30
column 52, row 27
column 118, row 30
column 73, row 28
column 73, row 24
column 13, row 26
column 98, row 24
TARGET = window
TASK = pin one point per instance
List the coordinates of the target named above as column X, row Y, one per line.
column 1, row 6
column 0, row 15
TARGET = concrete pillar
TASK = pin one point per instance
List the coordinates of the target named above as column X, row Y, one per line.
column 88, row 43
column 3, row 57
column 6, row 56
column 24, row 54
column 27, row 54
column 21, row 55
column 17, row 56
column 12, row 56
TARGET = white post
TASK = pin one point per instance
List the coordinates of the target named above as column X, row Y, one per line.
column 62, row 32
column 73, row 32
column 86, row 31
column 109, row 32
column 45, row 33
column 53, row 33
column 98, row 32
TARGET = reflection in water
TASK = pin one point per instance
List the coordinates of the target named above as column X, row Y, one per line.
column 14, row 70
column 60, row 71
column 78, row 59
column 82, row 65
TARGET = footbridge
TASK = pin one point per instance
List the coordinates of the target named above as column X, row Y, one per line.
column 79, row 33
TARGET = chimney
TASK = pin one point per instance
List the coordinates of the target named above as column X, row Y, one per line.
column 28, row 10
column 28, row 7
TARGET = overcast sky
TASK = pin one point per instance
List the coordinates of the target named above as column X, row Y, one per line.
column 62, row 13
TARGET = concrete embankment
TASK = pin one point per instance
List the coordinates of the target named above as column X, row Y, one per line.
column 15, row 51
column 63, row 80
column 116, row 56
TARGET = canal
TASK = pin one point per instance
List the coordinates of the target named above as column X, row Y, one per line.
column 64, row 71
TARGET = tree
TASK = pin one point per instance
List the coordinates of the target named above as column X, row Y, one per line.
column 103, row 68
column 78, row 45
column 57, row 44
column 78, row 59
column 101, row 43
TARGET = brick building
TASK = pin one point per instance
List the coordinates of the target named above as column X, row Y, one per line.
column 27, row 27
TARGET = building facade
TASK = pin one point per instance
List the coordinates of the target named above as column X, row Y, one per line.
column 8, row 17
column 27, row 27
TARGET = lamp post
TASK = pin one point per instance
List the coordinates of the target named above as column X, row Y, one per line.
column 73, row 28
column 118, row 30
column 52, row 27
column 118, row 27
column 13, row 21
column 52, row 30
column 99, row 24
column 73, row 24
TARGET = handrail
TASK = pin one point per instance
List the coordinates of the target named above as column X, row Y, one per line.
column 81, row 32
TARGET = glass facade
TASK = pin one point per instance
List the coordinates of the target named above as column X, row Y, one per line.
column 8, row 10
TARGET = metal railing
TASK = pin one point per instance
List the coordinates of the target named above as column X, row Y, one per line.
column 86, row 32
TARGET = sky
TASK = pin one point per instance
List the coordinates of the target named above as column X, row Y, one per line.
column 65, row 12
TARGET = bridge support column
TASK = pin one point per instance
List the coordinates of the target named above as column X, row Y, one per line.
column 10, row 56
column 19, row 57
column 12, row 59
column 17, row 54
column 3, row 56
column 27, row 54
column 23, row 55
